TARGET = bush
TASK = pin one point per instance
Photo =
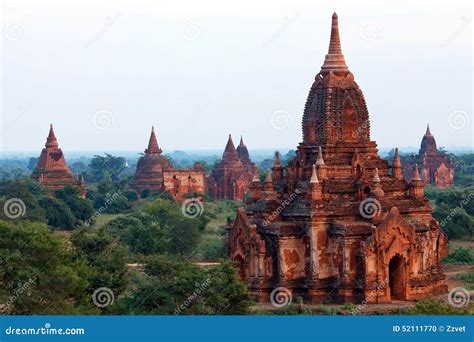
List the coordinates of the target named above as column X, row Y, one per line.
column 433, row 306
column 460, row 255
column 58, row 214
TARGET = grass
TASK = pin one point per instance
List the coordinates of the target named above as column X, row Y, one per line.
column 467, row 278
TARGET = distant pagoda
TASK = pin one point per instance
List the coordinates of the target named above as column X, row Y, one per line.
column 436, row 168
column 231, row 177
column 155, row 172
column 52, row 171
column 338, row 223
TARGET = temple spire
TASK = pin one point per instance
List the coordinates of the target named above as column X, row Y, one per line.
column 268, row 178
column 153, row 143
column 416, row 175
column 428, row 132
column 320, row 160
column 314, row 176
column 230, row 152
column 276, row 161
column 334, row 60
column 51, row 141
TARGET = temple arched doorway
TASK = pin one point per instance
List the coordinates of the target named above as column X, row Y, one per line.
column 397, row 281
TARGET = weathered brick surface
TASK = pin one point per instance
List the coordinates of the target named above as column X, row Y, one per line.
column 338, row 223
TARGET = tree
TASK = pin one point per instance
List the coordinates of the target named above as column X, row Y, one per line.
column 28, row 192
column 58, row 214
column 175, row 286
column 182, row 232
column 39, row 273
column 82, row 209
column 105, row 258
column 108, row 164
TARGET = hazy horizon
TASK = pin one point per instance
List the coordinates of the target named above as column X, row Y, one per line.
column 103, row 72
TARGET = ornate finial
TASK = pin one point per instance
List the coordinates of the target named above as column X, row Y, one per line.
column 334, row 59
column 416, row 175
column 428, row 132
column 268, row 178
column 314, row 176
column 255, row 175
column 276, row 161
column 396, row 159
column 153, row 147
column 320, row 160
column 376, row 178
column 51, row 141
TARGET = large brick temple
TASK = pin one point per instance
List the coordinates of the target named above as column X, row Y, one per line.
column 435, row 167
column 51, row 169
column 155, row 172
column 231, row 177
column 338, row 223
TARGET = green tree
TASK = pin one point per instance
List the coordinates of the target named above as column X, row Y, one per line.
column 39, row 273
column 175, row 286
column 105, row 258
column 107, row 164
column 58, row 214
column 82, row 209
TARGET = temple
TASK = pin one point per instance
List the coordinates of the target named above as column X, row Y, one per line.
column 155, row 172
column 436, row 168
column 231, row 177
column 338, row 223
column 52, row 171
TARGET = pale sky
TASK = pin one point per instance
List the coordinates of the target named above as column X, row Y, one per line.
column 103, row 72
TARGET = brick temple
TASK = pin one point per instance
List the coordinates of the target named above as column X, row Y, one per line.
column 51, row 169
column 231, row 177
column 338, row 223
column 155, row 172
column 435, row 167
